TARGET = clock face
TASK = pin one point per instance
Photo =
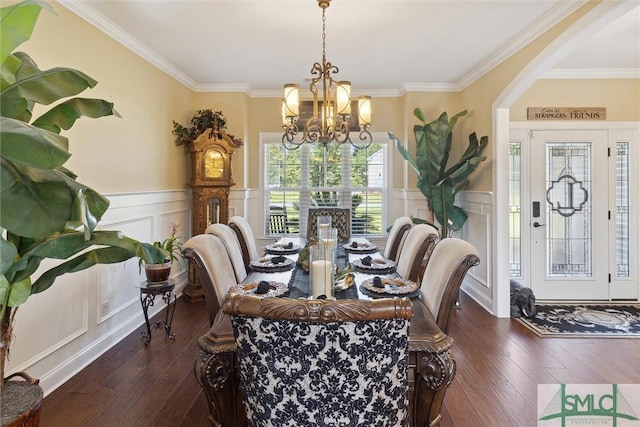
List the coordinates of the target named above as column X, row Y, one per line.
column 214, row 164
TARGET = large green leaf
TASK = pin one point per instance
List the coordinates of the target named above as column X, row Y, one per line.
column 404, row 153
column 107, row 255
column 65, row 114
column 8, row 254
column 32, row 146
column 16, row 25
column 44, row 88
column 33, row 202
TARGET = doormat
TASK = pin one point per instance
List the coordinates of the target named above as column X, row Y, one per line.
column 585, row 320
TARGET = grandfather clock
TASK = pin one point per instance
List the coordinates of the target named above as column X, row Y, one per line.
column 210, row 179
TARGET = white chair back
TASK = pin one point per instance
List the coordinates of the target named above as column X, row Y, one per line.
column 214, row 269
column 417, row 247
column 230, row 240
column 397, row 236
column 246, row 239
column 450, row 260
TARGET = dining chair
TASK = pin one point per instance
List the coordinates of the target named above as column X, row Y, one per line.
column 450, row 261
column 213, row 267
column 245, row 237
column 397, row 236
column 417, row 247
column 322, row 362
column 340, row 220
column 231, row 243
column 278, row 222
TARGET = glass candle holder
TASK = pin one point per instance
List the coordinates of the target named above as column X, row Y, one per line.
column 322, row 268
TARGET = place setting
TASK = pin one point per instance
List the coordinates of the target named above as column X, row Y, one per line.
column 374, row 265
column 386, row 287
column 270, row 264
column 360, row 247
column 282, row 248
column 263, row 289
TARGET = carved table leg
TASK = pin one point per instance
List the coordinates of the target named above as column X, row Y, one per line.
column 434, row 373
column 216, row 375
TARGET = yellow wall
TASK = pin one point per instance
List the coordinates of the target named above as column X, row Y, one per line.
column 619, row 96
column 128, row 154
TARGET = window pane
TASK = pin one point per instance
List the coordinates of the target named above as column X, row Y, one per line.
column 284, row 170
column 622, row 210
column 325, row 166
column 283, row 216
column 367, row 166
column 366, row 212
column 515, row 253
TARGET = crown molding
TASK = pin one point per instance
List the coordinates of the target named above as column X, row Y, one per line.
column 592, row 73
column 227, row 87
column 83, row 10
column 430, row 87
column 546, row 22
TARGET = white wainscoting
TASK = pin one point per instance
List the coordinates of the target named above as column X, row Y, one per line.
column 62, row 330
column 478, row 231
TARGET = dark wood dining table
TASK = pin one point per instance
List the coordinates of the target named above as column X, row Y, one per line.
column 431, row 364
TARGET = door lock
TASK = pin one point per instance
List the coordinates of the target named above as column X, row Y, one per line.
column 537, row 224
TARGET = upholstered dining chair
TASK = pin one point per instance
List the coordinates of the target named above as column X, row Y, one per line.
column 245, row 237
column 397, row 236
column 340, row 220
column 213, row 267
column 450, row 261
column 417, row 247
column 231, row 243
column 322, row 362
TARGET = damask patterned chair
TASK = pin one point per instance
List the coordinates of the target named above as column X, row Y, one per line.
column 450, row 261
column 340, row 220
column 322, row 363
column 246, row 239
column 417, row 247
column 230, row 240
column 213, row 267
column 397, row 236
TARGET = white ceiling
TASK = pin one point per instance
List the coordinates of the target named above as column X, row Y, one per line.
column 382, row 46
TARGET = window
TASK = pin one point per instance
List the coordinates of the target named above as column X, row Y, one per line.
column 337, row 175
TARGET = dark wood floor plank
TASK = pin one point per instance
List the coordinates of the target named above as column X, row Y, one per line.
column 500, row 364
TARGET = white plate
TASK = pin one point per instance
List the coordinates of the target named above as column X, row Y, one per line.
column 362, row 247
column 265, row 263
column 396, row 286
column 275, row 289
column 376, row 265
column 279, row 248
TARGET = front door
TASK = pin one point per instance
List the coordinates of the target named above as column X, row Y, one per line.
column 568, row 219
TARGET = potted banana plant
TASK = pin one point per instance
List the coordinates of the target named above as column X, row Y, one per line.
column 44, row 211
column 439, row 179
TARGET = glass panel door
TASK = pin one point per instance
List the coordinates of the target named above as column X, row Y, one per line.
column 569, row 228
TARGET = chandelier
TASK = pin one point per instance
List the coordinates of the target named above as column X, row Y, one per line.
column 330, row 119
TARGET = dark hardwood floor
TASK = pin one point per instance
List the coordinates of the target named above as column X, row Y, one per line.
column 499, row 364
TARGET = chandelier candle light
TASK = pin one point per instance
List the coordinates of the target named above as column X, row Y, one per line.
column 331, row 123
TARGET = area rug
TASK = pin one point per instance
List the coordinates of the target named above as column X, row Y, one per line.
column 581, row 320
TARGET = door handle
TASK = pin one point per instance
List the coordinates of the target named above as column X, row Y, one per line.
column 537, row 224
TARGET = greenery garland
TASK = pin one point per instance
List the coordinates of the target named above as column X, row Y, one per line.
column 201, row 121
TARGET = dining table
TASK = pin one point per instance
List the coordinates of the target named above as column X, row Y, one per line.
column 431, row 364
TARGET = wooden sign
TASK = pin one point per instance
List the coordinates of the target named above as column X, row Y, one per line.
column 566, row 113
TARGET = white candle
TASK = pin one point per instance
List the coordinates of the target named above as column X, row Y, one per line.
column 321, row 278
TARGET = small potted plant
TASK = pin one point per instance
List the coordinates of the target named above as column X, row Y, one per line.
column 172, row 247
